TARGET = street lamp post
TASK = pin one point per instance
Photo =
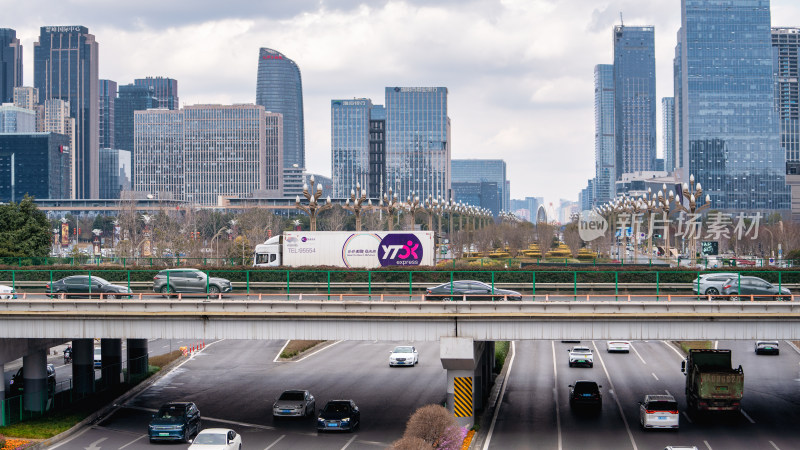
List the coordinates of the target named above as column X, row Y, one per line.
column 391, row 206
column 693, row 192
column 664, row 203
column 313, row 208
column 357, row 198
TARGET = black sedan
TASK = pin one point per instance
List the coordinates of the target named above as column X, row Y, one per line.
column 339, row 415
column 83, row 286
column 471, row 290
column 585, row 394
column 176, row 421
column 745, row 288
column 17, row 383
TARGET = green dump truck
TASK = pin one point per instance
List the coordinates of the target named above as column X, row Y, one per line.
column 712, row 384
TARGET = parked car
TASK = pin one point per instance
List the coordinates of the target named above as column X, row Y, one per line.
column 7, row 292
column 767, row 347
column 581, row 356
column 217, row 439
column 83, row 285
column 659, row 411
column 175, row 421
column 294, row 403
column 473, row 290
column 618, row 346
column 711, row 283
column 404, row 355
column 340, row 415
column 585, row 393
column 17, row 383
column 189, row 281
column 754, row 287
column 98, row 358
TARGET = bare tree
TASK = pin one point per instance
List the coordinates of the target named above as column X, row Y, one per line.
column 334, row 219
column 373, row 220
column 544, row 235
column 572, row 238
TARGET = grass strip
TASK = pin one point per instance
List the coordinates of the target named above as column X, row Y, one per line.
column 686, row 345
column 295, row 347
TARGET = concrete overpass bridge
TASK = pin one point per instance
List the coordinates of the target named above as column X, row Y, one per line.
column 466, row 330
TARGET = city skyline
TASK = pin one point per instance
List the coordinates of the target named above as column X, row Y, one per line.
column 529, row 95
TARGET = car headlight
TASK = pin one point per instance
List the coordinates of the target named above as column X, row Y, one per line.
column 346, row 419
column 320, row 419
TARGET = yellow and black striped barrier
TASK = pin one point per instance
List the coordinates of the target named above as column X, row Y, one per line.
column 462, row 396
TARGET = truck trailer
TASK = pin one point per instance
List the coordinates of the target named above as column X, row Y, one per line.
column 712, row 384
column 357, row 249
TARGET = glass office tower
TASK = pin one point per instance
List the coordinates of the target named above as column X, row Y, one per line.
column 130, row 98
column 377, row 151
column 668, row 120
column 115, row 172
column 65, row 65
column 730, row 133
column 10, row 64
column 604, row 159
column 482, row 170
column 107, row 91
column 417, row 141
column 785, row 50
column 279, row 88
column 165, row 91
column 350, row 141
column 635, row 99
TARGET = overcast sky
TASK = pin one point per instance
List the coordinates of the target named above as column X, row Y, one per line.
column 519, row 72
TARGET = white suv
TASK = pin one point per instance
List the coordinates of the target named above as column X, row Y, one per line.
column 581, row 356
column 659, row 411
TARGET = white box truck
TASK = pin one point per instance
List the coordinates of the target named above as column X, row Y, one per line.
column 358, row 249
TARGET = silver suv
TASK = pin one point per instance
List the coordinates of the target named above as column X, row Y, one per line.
column 711, row 283
column 189, row 281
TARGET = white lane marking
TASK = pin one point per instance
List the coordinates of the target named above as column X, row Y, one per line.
column 77, row 435
column 281, row 351
column 502, row 395
column 707, row 445
column 211, row 419
column 555, row 393
column 667, row 392
column 747, row 417
column 276, row 442
column 350, row 441
column 614, row 394
column 637, row 354
column 131, row 442
column 654, row 375
column 677, row 352
column 323, row 348
column 164, row 346
column 794, row 347
column 687, row 416
column 773, row 445
column 95, row 445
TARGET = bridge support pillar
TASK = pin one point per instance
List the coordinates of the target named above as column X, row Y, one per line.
column 111, row 361
column 464, row 360
column 34, row 374
column 138, row 363
column 2, row 390
column 83, row 366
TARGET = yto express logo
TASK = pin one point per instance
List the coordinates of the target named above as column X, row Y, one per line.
column 400, row 250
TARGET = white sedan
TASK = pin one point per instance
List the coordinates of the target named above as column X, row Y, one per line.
column 618, row 346
column 581, row 356
column 7, row 292
column 216, row 439
column 403, row 355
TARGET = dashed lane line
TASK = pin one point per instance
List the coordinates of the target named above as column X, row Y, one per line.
column 773, row 445
column 637, row 354
column 708, row 446
column 350, row 441
column 654, row 375
column 133, row 441
column 275, row 442
column 614, row 394
column 746, row 416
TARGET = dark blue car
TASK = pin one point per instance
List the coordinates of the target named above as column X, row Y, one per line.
column 176, row 421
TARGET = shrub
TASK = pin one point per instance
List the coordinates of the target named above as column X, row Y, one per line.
column 437, row 426
column 500, row 354
column 410, row 443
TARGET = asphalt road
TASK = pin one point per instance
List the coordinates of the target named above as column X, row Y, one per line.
column 235, row 382
column 535, row 414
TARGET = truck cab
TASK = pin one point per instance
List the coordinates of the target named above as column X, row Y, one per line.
column 268, row 254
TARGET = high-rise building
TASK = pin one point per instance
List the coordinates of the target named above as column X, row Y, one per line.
column 55, row 118
column 35, row 164
column 158, row 166
column 418, row 141
column 202, row 152
column 115, row 172
column 130, row 98
column 482, row 194
column 279, row 88
column 107, row 91
column 14, row 119
column 26, row 97
column 10, row 64
column 165, row 91
column 482, row 170
column 377, row 151
column 729, row 130
column 668, row 118
column 273, row 149
column 635, row 99
column 786, row 70
column 350, row 145
column 65, row 64
column 586, row 196
column 604, row 158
